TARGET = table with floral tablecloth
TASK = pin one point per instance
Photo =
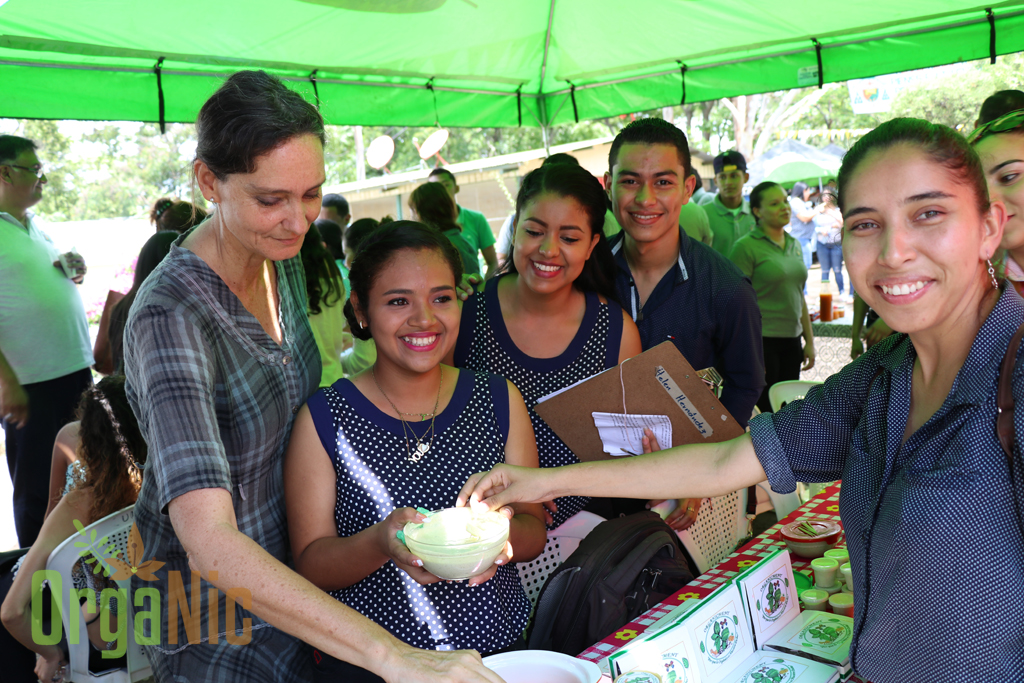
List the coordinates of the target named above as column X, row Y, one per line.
column 825, row 505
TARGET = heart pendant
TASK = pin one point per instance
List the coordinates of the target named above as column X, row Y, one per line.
column 422, row 448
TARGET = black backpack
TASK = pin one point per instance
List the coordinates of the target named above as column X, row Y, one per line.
column 621, row 569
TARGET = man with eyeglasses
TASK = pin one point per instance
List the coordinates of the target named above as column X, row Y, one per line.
column 45, row 351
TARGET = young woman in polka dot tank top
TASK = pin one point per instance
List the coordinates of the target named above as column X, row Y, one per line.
column 405, row 434
column 551, row 320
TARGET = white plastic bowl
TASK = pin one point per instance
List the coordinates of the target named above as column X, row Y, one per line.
column 542, row 666
column 451, row 552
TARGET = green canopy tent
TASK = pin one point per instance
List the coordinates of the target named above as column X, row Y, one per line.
column 468, row 62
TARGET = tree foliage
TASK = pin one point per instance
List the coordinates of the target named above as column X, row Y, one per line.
column 955, row 99
column 113, row 170
column 119, row 169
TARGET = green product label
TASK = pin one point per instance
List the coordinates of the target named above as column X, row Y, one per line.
column 719, row 640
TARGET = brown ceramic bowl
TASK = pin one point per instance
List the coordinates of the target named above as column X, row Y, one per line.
column 807, row 546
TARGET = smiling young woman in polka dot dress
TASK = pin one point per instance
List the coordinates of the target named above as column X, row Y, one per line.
column 931, row 507
column 551, row 320
column 404, row 434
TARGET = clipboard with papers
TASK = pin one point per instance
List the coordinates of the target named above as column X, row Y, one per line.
column 603, row 416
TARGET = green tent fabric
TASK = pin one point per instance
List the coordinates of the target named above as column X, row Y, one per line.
column 468, row 62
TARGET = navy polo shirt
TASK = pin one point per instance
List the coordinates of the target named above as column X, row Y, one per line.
column 708, row 309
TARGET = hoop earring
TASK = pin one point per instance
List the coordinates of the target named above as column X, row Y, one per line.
column 992, row 274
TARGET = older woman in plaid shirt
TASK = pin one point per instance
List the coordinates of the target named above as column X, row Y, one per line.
column 219, row 357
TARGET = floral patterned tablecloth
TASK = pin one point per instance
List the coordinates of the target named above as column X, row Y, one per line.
column 825, row 505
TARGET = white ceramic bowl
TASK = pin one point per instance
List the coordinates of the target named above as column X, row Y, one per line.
column 457, row 543
column 542, row 666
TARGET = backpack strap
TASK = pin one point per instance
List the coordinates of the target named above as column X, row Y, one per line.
column 1004, row 397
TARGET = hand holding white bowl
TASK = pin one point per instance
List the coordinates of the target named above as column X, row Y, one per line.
column 456, row 542
column 397, row 551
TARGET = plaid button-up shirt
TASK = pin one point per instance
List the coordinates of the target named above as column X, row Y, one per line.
column 216, row 398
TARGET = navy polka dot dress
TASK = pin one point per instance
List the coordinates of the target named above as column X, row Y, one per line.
column 484, row 344
column 375, row 477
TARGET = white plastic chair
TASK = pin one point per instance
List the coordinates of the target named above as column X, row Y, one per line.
column 112, row 529
column 562, row 542
column 783, row 503
column 721, row 524
column 781, row 393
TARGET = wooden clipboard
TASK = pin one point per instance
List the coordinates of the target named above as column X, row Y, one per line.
column 645, row 379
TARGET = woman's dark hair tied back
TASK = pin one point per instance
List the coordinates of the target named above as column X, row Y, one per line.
column 111, row 446
column 377, row 251
column 250, row 115
column 434, row 207
column 943, row 144
column 324, row 284
column 573, row 182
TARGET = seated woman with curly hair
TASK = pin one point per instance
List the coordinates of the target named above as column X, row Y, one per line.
column 104, row 479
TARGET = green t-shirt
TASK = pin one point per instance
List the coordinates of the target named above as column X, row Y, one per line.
column 778, row 275
column 727, row 225
column 476, row 231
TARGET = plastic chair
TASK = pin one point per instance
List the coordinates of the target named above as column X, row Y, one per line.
column 112, row 529
column 721, row 524
column 783, row 503
column 781, row 393
column 562, row 542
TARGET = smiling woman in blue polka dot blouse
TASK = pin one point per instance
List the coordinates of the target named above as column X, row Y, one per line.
column 405, row 434
column 930, row 502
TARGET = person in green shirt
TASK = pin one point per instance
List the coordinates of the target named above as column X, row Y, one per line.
column 773, row 260
column 728, row 214
column 476, row 231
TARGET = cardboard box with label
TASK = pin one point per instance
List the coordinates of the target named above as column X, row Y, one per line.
column 717, row 640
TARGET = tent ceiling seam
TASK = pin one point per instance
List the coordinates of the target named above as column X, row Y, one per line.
column 18, row 42
column 217, row 74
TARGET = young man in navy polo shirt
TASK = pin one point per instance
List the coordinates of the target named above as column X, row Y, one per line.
column 675, row 287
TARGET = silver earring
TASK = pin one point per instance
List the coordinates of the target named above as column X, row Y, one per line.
column 361, row 325
column 992, row 274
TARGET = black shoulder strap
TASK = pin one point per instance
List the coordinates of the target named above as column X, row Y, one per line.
column 1004, row 397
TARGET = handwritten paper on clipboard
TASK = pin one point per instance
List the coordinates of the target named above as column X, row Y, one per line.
column 657, row 382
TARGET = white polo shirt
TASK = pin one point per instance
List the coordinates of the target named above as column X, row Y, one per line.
column 43, row 330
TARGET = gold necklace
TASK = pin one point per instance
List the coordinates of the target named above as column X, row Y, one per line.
column 421, row 448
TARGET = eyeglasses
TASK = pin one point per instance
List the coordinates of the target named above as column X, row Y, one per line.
column 38, row 172
column 1015, row 119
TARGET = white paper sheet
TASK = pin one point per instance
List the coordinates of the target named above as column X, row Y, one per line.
column 623, row 434
column 565, row 389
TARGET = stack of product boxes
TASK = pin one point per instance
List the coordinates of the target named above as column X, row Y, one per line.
column 749, row 630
